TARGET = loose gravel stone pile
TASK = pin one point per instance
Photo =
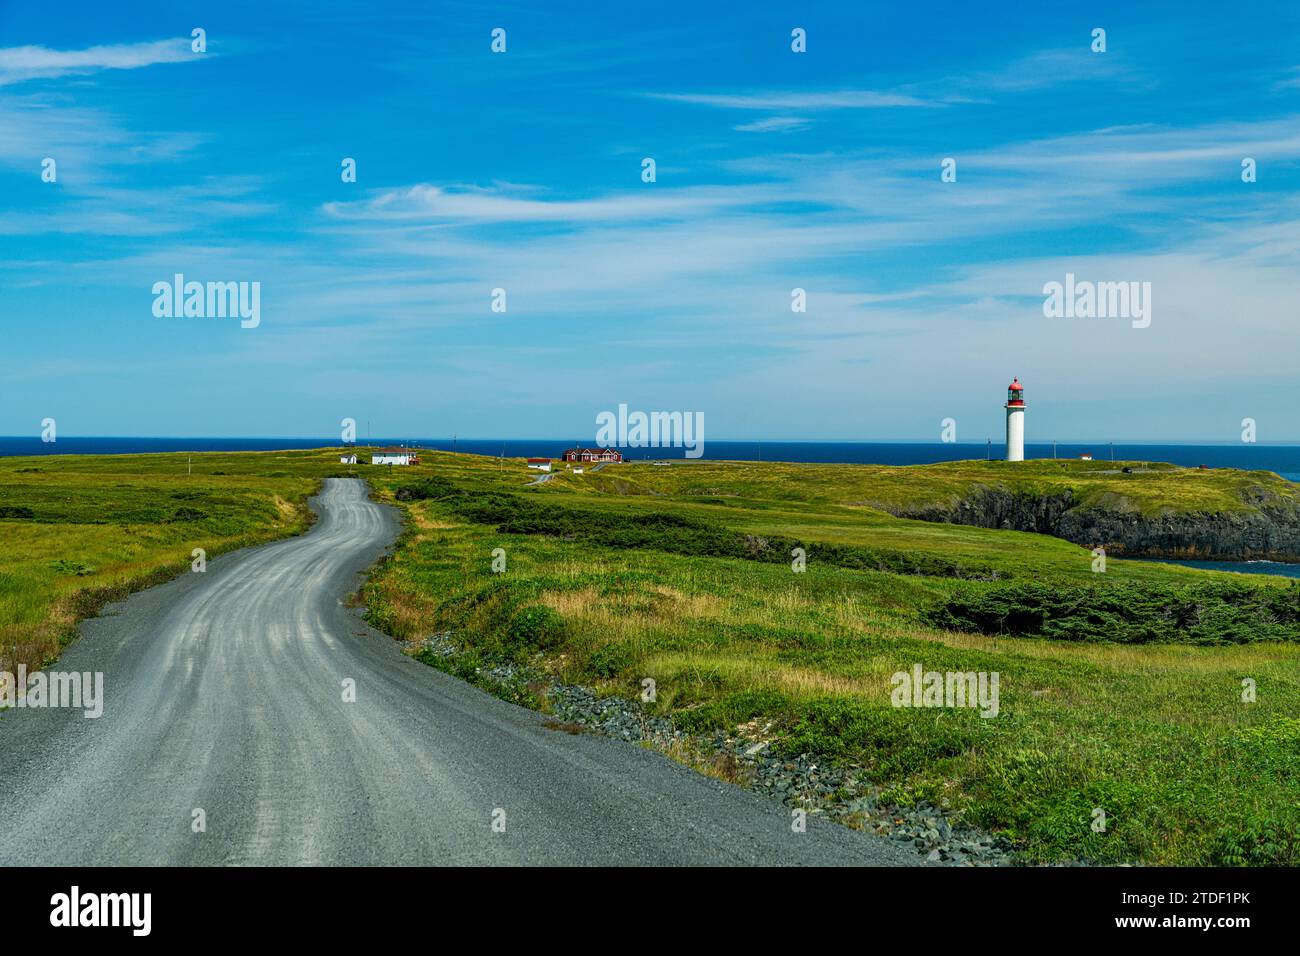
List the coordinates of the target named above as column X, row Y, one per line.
column 803, row 782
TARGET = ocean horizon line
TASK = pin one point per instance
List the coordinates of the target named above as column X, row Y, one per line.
column 337, row 443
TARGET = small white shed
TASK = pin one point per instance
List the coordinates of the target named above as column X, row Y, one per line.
column 393, row 456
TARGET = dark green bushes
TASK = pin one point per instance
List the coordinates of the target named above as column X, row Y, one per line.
column 892, row 742
column 434, row 487
column 536, row 627
column 610, row 661
column 1212, row 613
column 678, row 534
column 1272, row 840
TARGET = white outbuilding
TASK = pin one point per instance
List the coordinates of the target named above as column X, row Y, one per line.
column 394, row 456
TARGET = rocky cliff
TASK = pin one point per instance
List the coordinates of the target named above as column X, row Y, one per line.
column 1267, row 526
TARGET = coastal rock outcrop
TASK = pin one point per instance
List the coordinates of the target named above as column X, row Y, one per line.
column 1267, row 527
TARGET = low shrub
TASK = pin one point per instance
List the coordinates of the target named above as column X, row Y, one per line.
column 891, row 742
column 609, row 661
column 434, row 487
column 1272, row 840
column 1211, row 613
column 536, row 627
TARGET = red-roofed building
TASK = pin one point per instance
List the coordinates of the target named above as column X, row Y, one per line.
column 593, row 454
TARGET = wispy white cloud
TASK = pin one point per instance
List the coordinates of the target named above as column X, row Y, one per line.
column 709, row 269
column 1149, row 155
column 1049, row 68
column 1291, row 81
column 434, row 204
column 884, row 249
column 84, row 142
column 20, row 63
column 117, row 211
column 774, row 124
column 1121, row 176
column 101, row 185
column 796, row 100
column 1035, row 71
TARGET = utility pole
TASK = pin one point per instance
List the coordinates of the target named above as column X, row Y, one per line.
column 1053, row 449
column 1112, row 451
column 189, row 464
column 988, row 454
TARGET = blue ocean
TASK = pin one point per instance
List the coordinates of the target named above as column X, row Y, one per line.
column 1278, row 568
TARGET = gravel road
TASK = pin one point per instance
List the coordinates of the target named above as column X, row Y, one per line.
column 225, row 693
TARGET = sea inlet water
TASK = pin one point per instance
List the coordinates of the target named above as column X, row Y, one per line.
column 1279, row 568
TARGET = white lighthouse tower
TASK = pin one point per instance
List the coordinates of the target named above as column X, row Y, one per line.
column 1015, row 421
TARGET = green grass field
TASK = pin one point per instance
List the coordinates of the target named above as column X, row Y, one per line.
column 682, row 574
column 77, row 531
column 1155, row 734
column 1150, row 488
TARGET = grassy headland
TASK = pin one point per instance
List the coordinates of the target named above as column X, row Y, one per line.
column 1120, row 691
column 683, row 574
column 77, row 531
column 1147, row 488
column 1129, row 507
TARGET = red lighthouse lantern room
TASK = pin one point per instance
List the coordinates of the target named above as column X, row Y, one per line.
column 1015, row 394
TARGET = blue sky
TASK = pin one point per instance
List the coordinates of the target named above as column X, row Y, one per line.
column 775, row 170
